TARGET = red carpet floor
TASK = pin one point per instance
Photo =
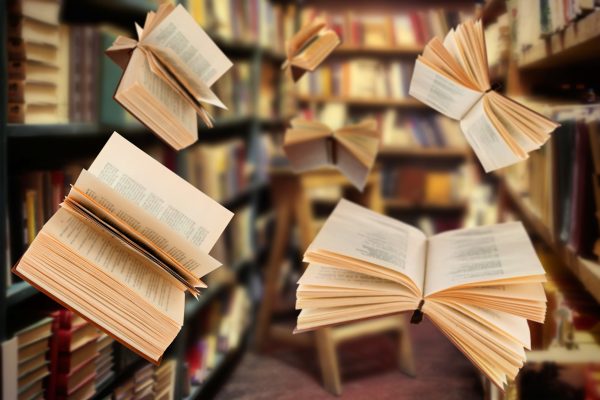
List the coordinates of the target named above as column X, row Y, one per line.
column 368, row 372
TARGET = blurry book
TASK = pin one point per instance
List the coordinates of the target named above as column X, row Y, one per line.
column 167, row 74
column 478, row 285
column 307, row 49
column 452, row 77
column 351, row 149
column 136, row 233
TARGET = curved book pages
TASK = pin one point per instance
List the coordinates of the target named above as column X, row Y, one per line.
column 479, row 286
column 129, row 240
column 307, row 49
column 168, row 73
column 452, row 77
column 352, row 149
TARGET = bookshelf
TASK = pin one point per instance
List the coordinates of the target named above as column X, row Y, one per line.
column 16, row 139
column 363, row 102
column 389, row 51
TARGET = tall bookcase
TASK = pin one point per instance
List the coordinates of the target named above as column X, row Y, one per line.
column 44, row 144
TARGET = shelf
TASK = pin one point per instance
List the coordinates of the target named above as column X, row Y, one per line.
column 369, row 102
column 492, row 9
column 423, row 152
column 379, row 51
column 402, row 205
column 19, row 292
column 579, row 41
column 587, row 271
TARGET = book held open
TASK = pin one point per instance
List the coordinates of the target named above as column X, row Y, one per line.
column 352, row 149
column 168, row 73
column 478, row 285
column 307, row 49
column 452, row 77
column 129, row 240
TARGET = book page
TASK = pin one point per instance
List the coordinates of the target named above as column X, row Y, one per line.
column 487, row 143
column 134, row 221
column 441, row 93
column 476, row 255
column 357, row 232
column 150, row 185
column 106, row 252
column 179, row 33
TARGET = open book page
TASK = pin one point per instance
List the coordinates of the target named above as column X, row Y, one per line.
column 135, row 222
column 108, row 253
column 377, row 242
column 481, row 255
column 151, row 186
column 350, row 164
column 361, row 139
column 191, row 45
column 491, row 149
column 307, row 145
column 440, row 92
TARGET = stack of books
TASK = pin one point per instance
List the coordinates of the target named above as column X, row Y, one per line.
column 24, row 362
column 73, row 355
column 595, row 148
column 149, row 382
column 105, row 363
column 37, row 81
column 164, row 380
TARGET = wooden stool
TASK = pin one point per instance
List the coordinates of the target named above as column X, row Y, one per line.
column 293, row 205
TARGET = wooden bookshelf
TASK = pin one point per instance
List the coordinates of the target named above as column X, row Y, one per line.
column 365, row 102
column 392, row 51
column 579, row 41
column 402, row 205
column 423, row 152
column 586, row 271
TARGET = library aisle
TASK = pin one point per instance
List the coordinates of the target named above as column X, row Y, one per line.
column 237, row 340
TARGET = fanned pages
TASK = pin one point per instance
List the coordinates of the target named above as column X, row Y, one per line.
column 478, row 285
column 452, row 78
column 129, row 240
column 352, row 149
column 307, row 49
column 168, row 73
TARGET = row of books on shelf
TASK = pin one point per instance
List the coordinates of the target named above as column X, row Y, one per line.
column 413, row 28
column 149, row 382
column 259, row 21
column 61, row 356
column 222, row 332
column 562, row 179
column 359, row 78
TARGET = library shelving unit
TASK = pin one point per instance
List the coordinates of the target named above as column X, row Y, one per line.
column 49, row 144
column 569, row 53
column 390, row 156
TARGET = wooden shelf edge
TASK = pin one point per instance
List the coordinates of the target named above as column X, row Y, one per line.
column 356, row 101
column 379, row 51
column 428, row 152
column 396, row 204
column 586, row 271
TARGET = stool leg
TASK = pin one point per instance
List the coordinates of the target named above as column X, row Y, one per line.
column 330, row 370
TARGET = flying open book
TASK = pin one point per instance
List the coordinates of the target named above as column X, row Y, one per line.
column 478, row 285
column 167, row 74
column 352, row 149
column 129, row 240
column 452, row 78
column 307, row 49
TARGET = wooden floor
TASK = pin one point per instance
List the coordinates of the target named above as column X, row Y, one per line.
column 368, row 368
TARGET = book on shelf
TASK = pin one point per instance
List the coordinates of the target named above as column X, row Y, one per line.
column 24, row 364
column 309, row 47
column 37, row 78
column 478, row 285
column 351, row 149
column 168, row 73
column 146, row 234
column 451, row 76
column 105, row 365
column 236, row 90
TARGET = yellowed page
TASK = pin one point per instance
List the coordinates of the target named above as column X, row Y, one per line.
column 440, row 92
column 108, row 253
column 483, row 254
column 148, row 184
column 193, row 48
column 108, row 203
column 357, row 232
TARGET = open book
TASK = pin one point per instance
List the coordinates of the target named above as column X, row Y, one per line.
column 307, row 49
column 167, row 74
column 478, row 285
column 452, row 77
column 352, row 149
column 129, row 240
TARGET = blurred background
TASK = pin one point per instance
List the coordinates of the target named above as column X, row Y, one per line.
column 57, row 112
